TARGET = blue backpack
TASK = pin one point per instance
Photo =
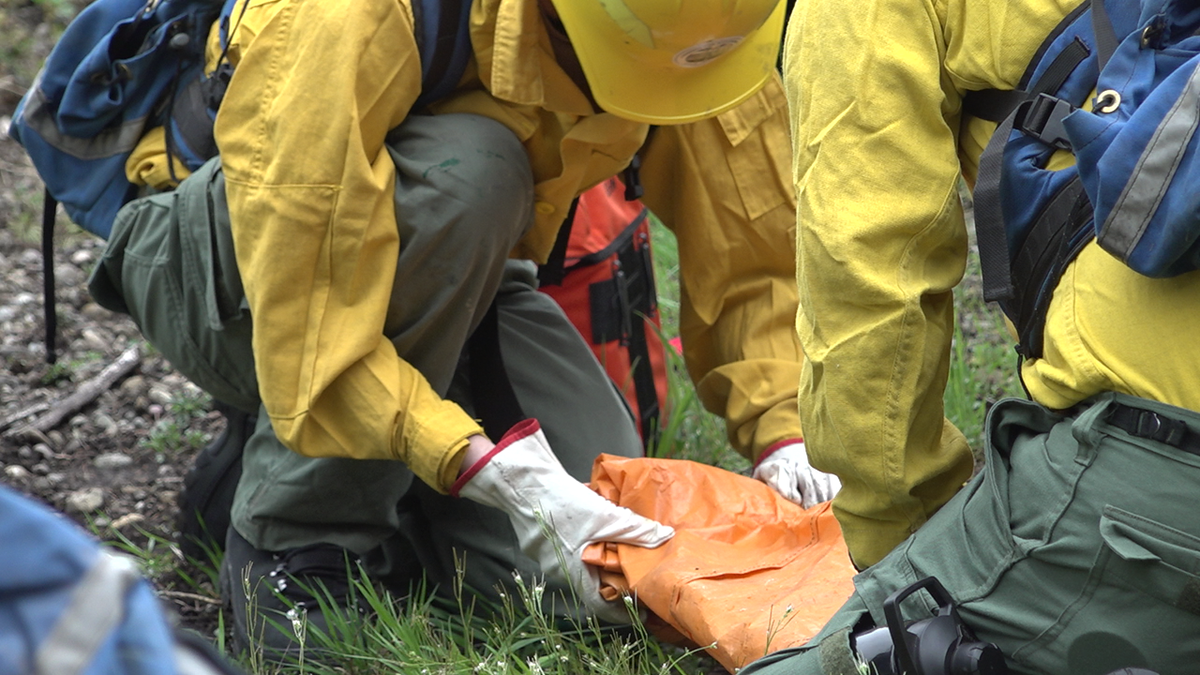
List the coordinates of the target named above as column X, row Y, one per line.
column 69, row 607
column 123, row 67
column 1135, row 183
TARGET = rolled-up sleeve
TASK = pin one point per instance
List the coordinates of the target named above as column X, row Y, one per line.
column 310, row 188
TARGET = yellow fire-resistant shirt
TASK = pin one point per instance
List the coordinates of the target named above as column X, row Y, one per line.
column 301, row 130
column 876, row 96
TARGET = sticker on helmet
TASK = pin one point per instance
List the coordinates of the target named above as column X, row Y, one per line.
column 701, row 54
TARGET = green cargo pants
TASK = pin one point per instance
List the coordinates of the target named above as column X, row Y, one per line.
column 1076, row 550
column 170, row 265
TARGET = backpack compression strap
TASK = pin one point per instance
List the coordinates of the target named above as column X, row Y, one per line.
column 1022, row 280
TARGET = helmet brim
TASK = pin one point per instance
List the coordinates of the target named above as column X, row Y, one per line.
column 663, row 92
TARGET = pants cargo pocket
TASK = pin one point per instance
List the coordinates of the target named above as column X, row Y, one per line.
column 1140, row 605
column 160, row 267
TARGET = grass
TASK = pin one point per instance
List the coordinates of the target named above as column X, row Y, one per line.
column 425, row 634
column 174, row 433
column 983, row 363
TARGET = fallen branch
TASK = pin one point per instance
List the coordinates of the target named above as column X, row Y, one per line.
column 22, row 414
column 86, row 393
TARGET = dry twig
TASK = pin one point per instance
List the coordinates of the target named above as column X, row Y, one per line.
column 84, row 394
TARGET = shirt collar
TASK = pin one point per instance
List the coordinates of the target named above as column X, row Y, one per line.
column 516, row 59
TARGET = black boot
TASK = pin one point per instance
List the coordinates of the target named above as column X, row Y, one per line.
column 273, row 596
column 208, row 488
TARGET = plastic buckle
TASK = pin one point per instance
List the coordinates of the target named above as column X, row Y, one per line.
column 1043, row 119
column 1155, row 427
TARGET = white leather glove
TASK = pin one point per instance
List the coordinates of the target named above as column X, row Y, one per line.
column 523, row 478
column 788, row 472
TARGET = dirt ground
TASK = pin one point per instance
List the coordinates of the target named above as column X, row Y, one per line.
column 115, row 463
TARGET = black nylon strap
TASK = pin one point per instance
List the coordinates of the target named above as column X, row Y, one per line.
column 989, row 217
column 639, row 277
column 551, row 273
column 996, row 105
column 1061, row 68
column 49, row 209
column 495, row 400
column 1039, row 262
column 1106, row 36
column 1154, row 426
column 620, row 242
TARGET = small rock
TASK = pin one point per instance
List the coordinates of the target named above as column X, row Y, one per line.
column 133, row 385
column 101, row 521
column 25, row 452
column 16, row 472
column 105, row 422
column 44, row 450
column 112, row 460
column 93, row 340
column 68, row 275
column 82, row 257
column 56, row 478
column 56, row 437
column 95, row 312
column 160, row 394
column 41, row 468
column 86, row 500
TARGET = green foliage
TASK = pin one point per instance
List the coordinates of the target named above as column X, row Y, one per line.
column 174, row 434
column 983, row 364
column 66, row 370
column 422, row 633
column 30, row 28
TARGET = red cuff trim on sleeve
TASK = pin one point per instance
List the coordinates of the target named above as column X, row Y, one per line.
column 775, row 446
column 520, row 430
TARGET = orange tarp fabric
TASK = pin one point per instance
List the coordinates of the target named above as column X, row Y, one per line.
column 747, row 571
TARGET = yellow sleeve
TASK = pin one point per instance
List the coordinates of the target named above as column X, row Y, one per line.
column 721, row 186
column 875, row 96
column 310, row 188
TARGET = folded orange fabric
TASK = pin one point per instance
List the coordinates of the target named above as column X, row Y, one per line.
column 747, row 573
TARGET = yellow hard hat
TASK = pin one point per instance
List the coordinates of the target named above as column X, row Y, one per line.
column 673, row 61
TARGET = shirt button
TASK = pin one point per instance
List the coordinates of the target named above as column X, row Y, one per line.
column 544, row 208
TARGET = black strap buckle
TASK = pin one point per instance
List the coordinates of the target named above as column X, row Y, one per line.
column 1043, row 119
column 1153, row 426
column 1162, row 429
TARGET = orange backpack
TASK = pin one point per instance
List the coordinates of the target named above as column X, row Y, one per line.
column 607, row 291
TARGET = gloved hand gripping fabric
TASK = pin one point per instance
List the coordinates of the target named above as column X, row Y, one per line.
column 554, row 515
column 787, row 471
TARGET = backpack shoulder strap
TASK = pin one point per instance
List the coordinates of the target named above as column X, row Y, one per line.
column 995, row 105
column 444, row 41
